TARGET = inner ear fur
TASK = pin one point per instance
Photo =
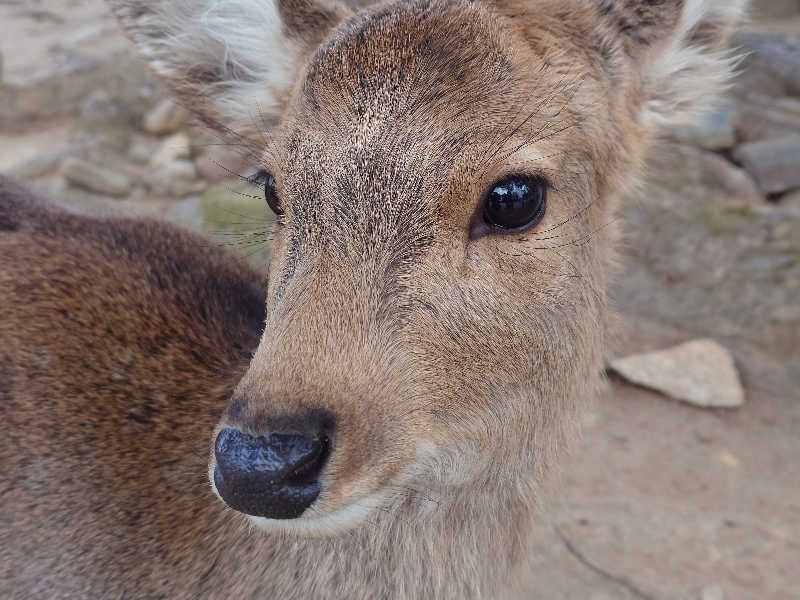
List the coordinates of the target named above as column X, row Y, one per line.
column 231, row 62
column 672, row 54
column 679, row 50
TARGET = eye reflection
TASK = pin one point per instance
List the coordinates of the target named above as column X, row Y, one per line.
column 515, row 202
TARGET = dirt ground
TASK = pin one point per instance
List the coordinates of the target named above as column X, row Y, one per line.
column 658, row 500
column 661, row 500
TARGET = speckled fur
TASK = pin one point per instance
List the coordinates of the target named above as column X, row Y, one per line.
column 454, row 362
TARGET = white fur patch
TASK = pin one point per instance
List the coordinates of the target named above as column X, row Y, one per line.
column 684, row 80
column 429, row 460
column 240, row 42
column 335, row 523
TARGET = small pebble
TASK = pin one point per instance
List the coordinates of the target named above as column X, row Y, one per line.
column 165, row 118
column 175, row 147
column 713, row 592
column 94, row 178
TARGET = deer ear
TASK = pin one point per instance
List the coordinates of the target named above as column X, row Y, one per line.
column 679, row 48
column 231, row 62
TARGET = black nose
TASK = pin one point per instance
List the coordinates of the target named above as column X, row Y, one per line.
column 274, row 476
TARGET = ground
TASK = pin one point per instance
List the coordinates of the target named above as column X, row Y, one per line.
column 658, row 499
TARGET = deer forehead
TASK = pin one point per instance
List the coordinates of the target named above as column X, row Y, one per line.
column 391, row 115
column 428, row 65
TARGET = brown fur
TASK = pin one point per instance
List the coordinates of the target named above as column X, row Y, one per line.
column 454, row 360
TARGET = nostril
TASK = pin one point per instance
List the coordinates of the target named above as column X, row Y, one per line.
column 275, row 476
column 309, row 464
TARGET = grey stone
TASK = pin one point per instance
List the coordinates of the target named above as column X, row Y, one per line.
column 786, row 314
column 165, row 118
column 713, row 592
column 55, row 187
column 771, row 64
column 700, row 372
column 715, row 131
column 708, row 267
column 176, row 179
column 718, row 173
column 103, row 125
column 791, row 203
column 38, row 166
column 175, row 147
column 764, row 117
column 138, row 193
column 700, row 172
column 774, row 163
column 140, row 152
column 94, row 178
column 96, row 144
column 99, row 106
column 59, row 89
column 771, row 9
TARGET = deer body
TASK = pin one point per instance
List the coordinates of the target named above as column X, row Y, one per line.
column 142, row 333
column 445, row 175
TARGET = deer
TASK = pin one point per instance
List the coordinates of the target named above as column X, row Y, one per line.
column 378, row 416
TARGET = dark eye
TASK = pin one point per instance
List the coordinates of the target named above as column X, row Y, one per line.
column 270, row 192
column 515, row 202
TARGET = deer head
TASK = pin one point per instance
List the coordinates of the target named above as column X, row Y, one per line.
column 445, row 174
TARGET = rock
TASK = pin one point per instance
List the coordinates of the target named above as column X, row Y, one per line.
column 703, row 172
column 59, row 89
column 771, row 64
column 764, row 117
column 771, row 9
column 716, row 131
column 55, row 187
column 96, row 179
column 791, row 203
column 786, row 314
column 176, row 178
column 138, row 193
column 703, row 264
column 713, row 592
column 165, row 118
column 140, row 152
column 718, row 173
column 38, row 166
column 175, row 147
column 103, row 126
column 99, row 106
column 700, row 372
column 698, row 262
column 774, row 163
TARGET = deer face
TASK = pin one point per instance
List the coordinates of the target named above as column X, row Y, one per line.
column 445, row 176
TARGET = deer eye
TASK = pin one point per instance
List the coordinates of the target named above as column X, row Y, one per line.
column 516, row 202
column 264, row 178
